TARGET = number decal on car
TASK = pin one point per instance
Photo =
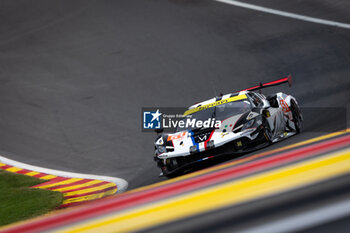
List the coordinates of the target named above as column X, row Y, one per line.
column 284, row 105
column 176, row 136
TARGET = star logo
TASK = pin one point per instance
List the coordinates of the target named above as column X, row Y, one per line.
column 156, row 115
column 152, row 120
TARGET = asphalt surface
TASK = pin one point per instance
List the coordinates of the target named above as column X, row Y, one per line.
column 74, row 75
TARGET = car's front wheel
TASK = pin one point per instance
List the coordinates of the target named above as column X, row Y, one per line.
column 267, row 131
column 169, row 168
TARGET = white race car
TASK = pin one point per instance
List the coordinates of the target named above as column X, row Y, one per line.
column 249, row 121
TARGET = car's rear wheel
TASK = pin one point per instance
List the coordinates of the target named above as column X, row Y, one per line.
column 296, row 116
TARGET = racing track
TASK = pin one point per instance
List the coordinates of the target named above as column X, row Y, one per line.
column 75, row 74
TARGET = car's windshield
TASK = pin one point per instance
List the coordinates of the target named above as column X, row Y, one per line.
column 219, row 112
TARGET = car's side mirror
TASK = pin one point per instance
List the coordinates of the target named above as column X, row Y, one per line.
column 158, row 131
column 273, row 101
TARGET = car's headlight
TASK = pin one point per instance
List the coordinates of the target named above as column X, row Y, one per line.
column 248, row 124
column 161, row 149
column 193, row 149
column 159, row 141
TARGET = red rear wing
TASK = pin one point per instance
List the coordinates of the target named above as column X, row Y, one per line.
column 270, row 84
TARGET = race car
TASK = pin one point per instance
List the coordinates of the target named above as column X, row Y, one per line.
column 244, row 121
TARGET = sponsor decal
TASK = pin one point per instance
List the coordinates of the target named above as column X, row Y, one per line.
column 176, row 136
column 224, row 101
column 202, row 138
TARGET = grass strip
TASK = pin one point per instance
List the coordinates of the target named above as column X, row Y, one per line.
column 18, row 201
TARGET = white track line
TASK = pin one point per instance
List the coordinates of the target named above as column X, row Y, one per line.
column 122, row 185
column 285, row 14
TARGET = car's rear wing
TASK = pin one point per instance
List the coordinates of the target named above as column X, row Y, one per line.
column 287, row 79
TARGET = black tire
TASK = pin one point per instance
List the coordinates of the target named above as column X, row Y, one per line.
column 168, row 170
column 267, row 132
column 296, row 115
